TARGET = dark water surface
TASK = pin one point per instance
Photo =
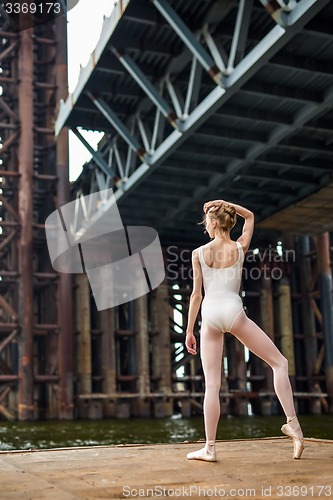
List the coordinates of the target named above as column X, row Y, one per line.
column 58, row 434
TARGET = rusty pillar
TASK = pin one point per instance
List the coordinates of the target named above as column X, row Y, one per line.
column 224, row 401
column 163, row 327
column 286, row 327
column 236, row 374
column 26, row 160
column 141, row 406
column 267, row 324
column 309, row 325
column 65, row 280
column 240, row 369
column 107, row 325
column 161, row 348
column 326, row 302
column 83, row 333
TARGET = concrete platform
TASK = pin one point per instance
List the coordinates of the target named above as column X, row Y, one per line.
column 257, row 468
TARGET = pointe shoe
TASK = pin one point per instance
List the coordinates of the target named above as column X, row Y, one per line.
column 297, row 437
column 203, row 454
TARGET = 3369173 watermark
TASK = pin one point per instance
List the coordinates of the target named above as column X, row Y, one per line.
column 24, row 14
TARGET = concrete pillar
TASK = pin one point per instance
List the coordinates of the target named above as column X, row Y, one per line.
column 326, row 302
column 286, row 327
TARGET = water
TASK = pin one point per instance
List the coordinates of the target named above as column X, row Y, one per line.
column 58, row 434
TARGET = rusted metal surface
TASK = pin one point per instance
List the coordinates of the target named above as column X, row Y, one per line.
column 141, row 406
column 108, row 362
column 326, row 302
column 26, row 160
column 83, row 334
column 267, row 324
column 308, row 319
column 64, row 299
column 286, row 327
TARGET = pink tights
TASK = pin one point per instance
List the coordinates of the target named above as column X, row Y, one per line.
column 211, row 341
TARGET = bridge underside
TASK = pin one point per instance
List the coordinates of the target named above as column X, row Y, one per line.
column 203, row 100
column 197, row 100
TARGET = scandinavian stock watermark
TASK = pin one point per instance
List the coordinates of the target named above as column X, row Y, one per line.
column 258, row 263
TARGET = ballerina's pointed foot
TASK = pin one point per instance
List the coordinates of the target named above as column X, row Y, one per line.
column 295, row 433
column 203, row 454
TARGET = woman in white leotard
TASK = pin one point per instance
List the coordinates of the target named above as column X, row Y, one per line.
column 218, row 267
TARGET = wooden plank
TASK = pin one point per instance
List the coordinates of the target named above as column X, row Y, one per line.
column 266, row 465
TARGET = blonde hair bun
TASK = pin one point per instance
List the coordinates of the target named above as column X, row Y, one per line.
column 225, row 216
column 229, row 209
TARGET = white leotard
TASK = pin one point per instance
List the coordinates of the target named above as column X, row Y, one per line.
column 222, row 304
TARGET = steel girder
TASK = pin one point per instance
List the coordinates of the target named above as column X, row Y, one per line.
column 228, row 80
column 10, row 224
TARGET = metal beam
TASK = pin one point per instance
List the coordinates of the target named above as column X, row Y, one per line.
column 244, row 30
column 275, row 10
column 304, row 149
column 256, row 59
column 188, row 38
column 108, row 29
column 298, row 63
column 118, row 125
column 135, row 72
column 286, row 180
column 281, row 132
column 286, row 160
column 276, row 91
column 256, row 114
column 98, row 158
column 218, row 132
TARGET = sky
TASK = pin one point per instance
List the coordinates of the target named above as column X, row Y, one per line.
column 84, row 28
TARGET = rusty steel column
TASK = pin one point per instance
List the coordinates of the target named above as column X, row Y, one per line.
column 83, row 334
column 326, row 302
column 107, row 325
column 65, row 280
column 163, row 327
column 286, row 327
column 141, row 406
column 267, row 324
column 240, row 403
column 161, row 348
column 308, row 319
column 26, row 161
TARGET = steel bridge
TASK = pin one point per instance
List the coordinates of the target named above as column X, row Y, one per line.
column 203, row 99
column 197, row 100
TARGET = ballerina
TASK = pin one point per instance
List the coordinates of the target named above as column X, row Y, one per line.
column 218, row 267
